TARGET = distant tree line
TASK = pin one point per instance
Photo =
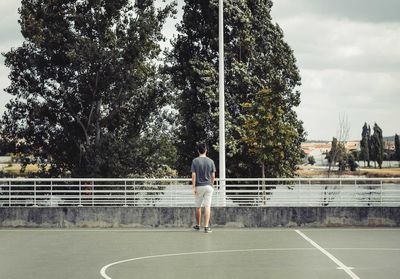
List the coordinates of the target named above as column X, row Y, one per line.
column 372, row 149
column 372, row 145
column 94, row 95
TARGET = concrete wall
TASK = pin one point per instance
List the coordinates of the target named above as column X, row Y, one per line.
column 135, row 217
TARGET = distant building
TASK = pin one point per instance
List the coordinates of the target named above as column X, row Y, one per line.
column 353, row 146
column 319, row 149
column 388, row 145
column 309, row 147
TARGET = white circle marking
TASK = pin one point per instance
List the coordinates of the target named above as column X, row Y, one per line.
column 104, row 268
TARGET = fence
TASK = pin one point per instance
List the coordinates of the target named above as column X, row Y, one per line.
column 319, row 192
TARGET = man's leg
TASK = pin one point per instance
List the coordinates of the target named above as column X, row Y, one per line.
column 198, row 215
column 207, row 213
column 207, row 205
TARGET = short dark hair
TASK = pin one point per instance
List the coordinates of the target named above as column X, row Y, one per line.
column 201, row 148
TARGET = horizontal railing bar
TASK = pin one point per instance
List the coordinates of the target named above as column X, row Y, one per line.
column 169, row 192
column 188, row 179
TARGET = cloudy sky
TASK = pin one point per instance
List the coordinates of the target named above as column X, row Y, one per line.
column 348, row 53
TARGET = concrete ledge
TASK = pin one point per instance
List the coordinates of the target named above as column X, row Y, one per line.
column 242, row 217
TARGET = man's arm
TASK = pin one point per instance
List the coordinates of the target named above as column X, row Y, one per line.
column 213, row 170
column 194, row 182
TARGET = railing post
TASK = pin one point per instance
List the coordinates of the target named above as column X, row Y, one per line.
column 355, row 187
column 80, row 193
column 218, row 193
column 264, row 191
column 299, row 193
column 9, row 193
column 381, row 192
column 222, row 189
column 125, row 204
column 176, row 194
column 51, row 192
column 92, row 192
column 134, row 193
column 34, row 193
column 172, row 196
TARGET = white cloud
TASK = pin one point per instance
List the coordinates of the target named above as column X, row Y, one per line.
column 9, row 28
column 355, row 10
column 349, row 64
column 10, row 37
column 329, row 43
column 363, row 96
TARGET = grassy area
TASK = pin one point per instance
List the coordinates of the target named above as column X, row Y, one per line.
column 386, row 172
column 365, row 172
column 15, row 169
column 304, row 171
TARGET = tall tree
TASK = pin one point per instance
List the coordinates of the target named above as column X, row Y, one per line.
column 337, row 154
column 378, row 144
column 270, row 135
column 371, row 147
column 351, row 162
column 256, row 57
column 397, row 147
column 364, row 146
column 85, row 82
column 194, row 75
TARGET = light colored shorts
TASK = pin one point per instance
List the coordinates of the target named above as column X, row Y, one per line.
column 204, row 196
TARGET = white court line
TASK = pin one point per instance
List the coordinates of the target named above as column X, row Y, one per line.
column 333, row 258
column 364, row 249
column 104, row 268
column 351, row 229
column 188, row 229
column 155, row 230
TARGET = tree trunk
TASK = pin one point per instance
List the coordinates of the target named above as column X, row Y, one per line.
column 262, row 170
column 98, row 128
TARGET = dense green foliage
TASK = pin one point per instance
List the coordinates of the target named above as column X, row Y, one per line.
column 86, row 85
column 311, row 160
column 270, row 135
column 256, row 58
column 93, row 98
column 337, row 155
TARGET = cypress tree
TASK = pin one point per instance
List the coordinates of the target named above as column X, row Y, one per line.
column 378, row 144
column 397, row 147
column 365, row 137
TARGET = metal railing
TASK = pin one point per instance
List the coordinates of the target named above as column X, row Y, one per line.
column 177, row 192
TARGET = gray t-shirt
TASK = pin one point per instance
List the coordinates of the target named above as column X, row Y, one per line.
column 203, row 167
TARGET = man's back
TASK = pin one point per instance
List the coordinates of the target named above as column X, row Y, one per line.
column 203, row 167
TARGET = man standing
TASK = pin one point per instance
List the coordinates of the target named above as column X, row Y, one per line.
column 203, row 177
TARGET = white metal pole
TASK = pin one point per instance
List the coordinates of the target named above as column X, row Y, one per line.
column 222, row 174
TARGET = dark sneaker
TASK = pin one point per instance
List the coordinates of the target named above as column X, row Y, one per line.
column 196, row 228
column 207, row 229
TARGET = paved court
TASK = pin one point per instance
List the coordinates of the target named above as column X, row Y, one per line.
column 225, row 253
